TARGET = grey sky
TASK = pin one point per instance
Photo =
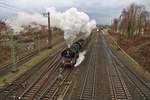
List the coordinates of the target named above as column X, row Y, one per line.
column 103, row 11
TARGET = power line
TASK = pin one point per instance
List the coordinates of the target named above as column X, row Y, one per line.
column 11, row 6
column 5, row 4
column 13, row 11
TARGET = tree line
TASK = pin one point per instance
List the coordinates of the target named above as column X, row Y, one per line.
column 133, row 21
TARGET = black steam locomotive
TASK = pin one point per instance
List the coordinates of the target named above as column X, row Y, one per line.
column 70, row 55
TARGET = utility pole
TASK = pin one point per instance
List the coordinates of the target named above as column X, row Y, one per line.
column 49, row 30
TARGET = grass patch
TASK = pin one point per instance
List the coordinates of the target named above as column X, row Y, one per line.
column 9, row 77
column 130, row 62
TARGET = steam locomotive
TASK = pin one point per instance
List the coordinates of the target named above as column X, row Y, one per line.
column 70, row 55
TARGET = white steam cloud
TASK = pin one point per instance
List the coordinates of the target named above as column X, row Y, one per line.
column 25, row 19
column 73, row 22
column 80, row 59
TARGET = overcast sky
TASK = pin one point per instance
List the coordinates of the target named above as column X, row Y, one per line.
column 103, row 11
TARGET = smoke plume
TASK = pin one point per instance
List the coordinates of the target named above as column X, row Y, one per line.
column 73, row 22
column 80, row 59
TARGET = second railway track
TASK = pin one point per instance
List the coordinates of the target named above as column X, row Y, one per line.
column 133, row 87
column 41, row 82
column 56, row 87
column 88, row 80
column 14, row 89
column 7, row 67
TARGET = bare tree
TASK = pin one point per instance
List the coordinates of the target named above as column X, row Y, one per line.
column 132, row 21
column 115, row 25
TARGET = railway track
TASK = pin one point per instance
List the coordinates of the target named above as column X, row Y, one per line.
column 133, row 87
column 140, row 89
column 7, row 67
column 13, row 90
column 56, row 87
column 93, row 84
column 123, row 83
column 88, row 83
column 33, row 91
column 118, row 87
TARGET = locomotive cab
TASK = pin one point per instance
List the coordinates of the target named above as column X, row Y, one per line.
column 68, row 57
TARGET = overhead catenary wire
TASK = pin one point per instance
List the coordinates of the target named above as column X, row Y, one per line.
column 9, row 6
column 4, row 7
column 15, row 9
